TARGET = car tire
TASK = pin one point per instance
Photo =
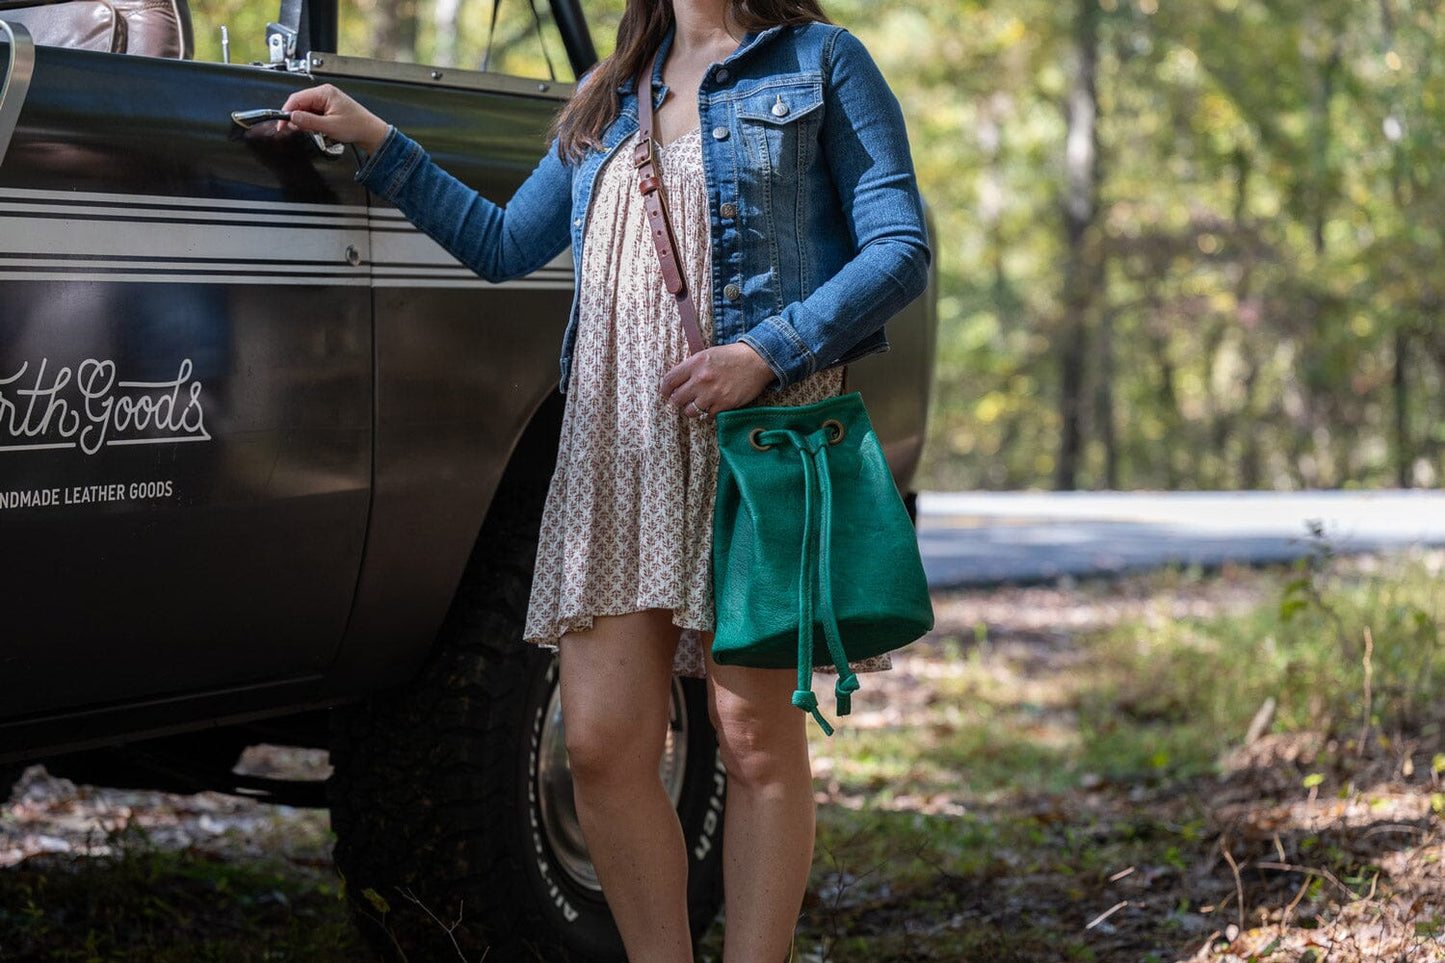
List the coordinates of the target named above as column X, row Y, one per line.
column 451, row 802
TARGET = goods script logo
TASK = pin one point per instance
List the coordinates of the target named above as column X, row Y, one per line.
column 86, row 407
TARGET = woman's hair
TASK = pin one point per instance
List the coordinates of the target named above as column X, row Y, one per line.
column 644, row 23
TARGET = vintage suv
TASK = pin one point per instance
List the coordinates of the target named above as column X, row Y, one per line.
column 271, row 464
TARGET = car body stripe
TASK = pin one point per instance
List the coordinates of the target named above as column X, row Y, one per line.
column 63, row 235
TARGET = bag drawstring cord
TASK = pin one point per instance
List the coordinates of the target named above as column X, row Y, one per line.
column 816, row 572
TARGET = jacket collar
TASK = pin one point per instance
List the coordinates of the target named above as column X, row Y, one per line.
column 751, row 40
column 754, row 38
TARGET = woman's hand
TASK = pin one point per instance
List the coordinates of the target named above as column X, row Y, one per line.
column 326, row 110
column 718, row 379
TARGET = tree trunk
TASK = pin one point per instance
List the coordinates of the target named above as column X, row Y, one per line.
column 1249, row 457
column 1104, row 401
column 1321, row 187
column 1169, row 403
column 1404, row 457
column 1081, row 269
column 444, row 17
column 396, row 30
column 1248, row 316
column 992, row 192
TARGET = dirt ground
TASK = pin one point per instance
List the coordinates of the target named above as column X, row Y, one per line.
column 1297, row 848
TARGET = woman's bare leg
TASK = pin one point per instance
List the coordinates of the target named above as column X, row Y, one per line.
column 616, row 684
column 769, row 821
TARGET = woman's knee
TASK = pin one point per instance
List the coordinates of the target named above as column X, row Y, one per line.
column 760, row 749
column 612, row 746
column 615, row 683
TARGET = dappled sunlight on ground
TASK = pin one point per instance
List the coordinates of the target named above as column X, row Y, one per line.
column 998, row 797
column 51, row 815
column 1030, row 783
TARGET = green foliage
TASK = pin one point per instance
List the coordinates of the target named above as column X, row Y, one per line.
column 1269, row 229
column 1203, row 680
column 1159, row 699
column 1021, row 760
column 1020, row 785
column 1266, row 313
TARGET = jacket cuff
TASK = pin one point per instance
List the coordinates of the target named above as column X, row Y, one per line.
column 783, row 349
column 386, row 170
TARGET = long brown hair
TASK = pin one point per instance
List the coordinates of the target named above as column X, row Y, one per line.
column 644, row 23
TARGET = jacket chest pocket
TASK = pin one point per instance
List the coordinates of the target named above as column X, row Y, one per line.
column 779, row 125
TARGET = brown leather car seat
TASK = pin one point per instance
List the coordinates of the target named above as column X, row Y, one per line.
column 148, row 28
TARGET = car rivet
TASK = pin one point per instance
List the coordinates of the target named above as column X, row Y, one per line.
column 436, row 75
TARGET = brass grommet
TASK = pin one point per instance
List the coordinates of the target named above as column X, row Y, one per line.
column 835, row 430
column 753, row 437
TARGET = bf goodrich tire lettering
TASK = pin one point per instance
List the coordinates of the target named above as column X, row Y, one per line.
column 435, row 798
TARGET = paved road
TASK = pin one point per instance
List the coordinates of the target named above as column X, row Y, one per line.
column 991, row 538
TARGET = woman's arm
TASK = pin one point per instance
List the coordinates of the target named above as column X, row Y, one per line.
column 498, row 243
column 865, row 143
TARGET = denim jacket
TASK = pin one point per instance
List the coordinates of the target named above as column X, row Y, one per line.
column 817, row 227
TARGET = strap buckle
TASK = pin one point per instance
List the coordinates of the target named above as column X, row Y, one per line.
column 642, row 153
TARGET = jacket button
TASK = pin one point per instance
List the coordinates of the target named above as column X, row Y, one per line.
column 732, row 292
column 720, row 133
column 722, row 76
column 728, row 210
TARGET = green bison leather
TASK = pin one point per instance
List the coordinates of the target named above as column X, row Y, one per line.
column 815, row 560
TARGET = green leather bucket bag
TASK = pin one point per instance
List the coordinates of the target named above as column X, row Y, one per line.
column 815, row 560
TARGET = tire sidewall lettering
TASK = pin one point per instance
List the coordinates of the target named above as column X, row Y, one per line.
column 540, row 856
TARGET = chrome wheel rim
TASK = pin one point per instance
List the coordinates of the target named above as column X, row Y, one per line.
column 553, row 784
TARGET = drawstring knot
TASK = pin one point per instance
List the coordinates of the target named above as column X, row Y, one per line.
column 843, row 690
column 805, row 699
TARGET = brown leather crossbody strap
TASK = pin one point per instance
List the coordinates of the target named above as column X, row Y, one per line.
column 649, row 181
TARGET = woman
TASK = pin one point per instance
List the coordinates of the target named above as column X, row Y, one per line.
column 800, row 231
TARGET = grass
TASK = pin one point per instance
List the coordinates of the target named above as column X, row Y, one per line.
column 985, row 822
column 144, row 904
column 1194, row 684
column 1159, row 696
column 1056, row 774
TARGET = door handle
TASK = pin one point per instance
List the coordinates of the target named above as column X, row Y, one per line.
column 246, row 119
column 18, row 71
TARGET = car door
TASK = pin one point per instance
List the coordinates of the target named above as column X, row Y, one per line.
column 185, row 388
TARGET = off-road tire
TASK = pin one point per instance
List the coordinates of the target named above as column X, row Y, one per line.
column 433, row 799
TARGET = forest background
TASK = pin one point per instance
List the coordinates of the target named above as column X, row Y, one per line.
column 1180, row 245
